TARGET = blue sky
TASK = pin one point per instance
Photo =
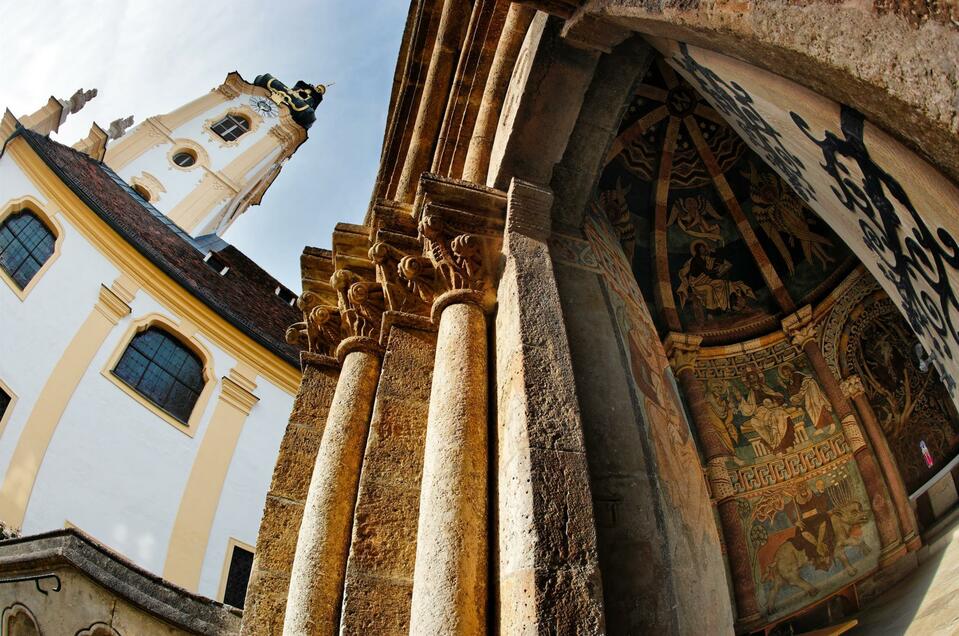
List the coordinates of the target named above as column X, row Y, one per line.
column 148, row 57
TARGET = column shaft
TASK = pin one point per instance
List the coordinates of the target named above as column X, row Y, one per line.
column 897, row 488
column 886, row 521
column 487, row 118
column 449, row 582
column 319, row 565
column 744, row 588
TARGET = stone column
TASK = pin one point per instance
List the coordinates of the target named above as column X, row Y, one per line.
column 546, row 558
column 449, row 582
column 319, row 564
column 487, row 118
column 853, row 389
column 449, row 36
column 801, row 330
column 276, row 542
column 682, row 350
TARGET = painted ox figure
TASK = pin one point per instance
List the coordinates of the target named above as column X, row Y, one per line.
column 821, row 549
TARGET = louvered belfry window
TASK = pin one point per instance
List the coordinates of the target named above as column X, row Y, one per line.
column 231, row 127
column 25, row 245
column 163, row 370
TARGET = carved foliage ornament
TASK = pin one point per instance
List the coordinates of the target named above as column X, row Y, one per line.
column 358, row 313
column 799, row 327
column 452, row 262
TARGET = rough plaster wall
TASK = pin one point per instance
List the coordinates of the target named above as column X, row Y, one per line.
column 79, row 605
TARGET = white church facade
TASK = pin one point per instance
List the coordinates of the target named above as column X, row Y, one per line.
column 145, row 379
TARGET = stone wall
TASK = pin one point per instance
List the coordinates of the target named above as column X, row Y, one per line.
column 73, row 585
column 276, row 543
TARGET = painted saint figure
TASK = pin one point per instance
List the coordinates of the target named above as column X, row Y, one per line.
column 702, row 280
column 771, row 421
column 721, row 412
column 803, row 390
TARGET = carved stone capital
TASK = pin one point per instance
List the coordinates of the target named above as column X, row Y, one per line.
column 720, row 484
column 360, row 304
column 319, row 332
column 852, row 387
column 401, row 277
column 682, row 350
column 799, row 327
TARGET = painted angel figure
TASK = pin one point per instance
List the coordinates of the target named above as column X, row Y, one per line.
column 782, row 216
column 692, row 214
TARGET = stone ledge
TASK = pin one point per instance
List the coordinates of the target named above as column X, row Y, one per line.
column 146, row 591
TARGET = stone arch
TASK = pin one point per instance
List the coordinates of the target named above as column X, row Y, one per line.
column 885, row 60
column 98, row 628
column 18, row 620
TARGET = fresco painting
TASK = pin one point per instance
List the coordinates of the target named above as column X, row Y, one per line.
column 802, row 502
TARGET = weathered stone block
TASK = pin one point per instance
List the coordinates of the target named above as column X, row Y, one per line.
column 376, row 605
column 278, row 532
column 312, row 403
column 265, row 603
column 294, row 465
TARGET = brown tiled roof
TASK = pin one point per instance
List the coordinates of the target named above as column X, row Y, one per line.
column 245, row 297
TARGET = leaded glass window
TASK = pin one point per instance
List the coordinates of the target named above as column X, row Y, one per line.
column 164, row 371
column 231, row 127
column 25, row 245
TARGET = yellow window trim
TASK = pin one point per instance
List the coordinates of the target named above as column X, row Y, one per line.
column 187, row 339
column 231, row 545
column 241, row 110
column 164, row 289
column 181, row 144
column 48, row 219
column 5, row 417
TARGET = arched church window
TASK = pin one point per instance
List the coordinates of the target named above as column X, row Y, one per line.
column 184, row 158
column 163, row 370
column 231, row 127
column 25, row 245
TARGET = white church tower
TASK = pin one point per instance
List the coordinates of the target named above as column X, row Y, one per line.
column 206, row 162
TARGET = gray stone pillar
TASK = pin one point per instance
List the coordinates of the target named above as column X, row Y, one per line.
column 449, row 582
column 319, row 564
column 544, row 532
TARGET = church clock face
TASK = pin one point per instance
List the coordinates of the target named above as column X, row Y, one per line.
column 264, row 106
